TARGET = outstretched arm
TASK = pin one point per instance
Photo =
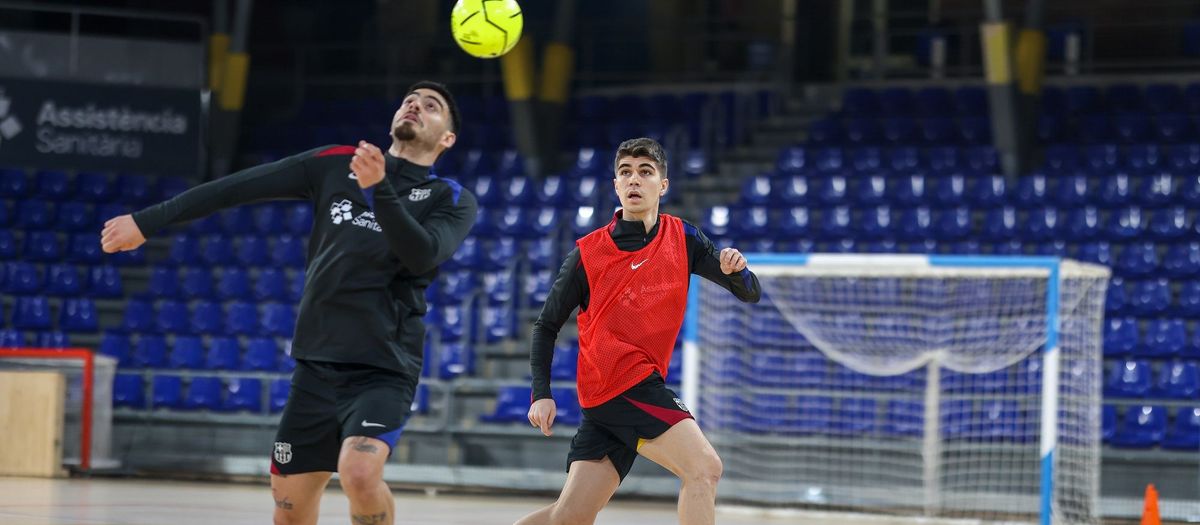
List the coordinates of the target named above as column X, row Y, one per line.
column 285, row 179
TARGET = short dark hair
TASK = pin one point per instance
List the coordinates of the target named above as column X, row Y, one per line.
column 441, row 89
column 643, row 147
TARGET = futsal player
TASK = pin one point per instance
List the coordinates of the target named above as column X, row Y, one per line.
column 383, row 225
column 629, row 280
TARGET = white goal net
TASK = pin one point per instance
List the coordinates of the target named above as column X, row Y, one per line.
column 949, row 387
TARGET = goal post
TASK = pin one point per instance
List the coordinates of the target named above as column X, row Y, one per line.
column 938, row 386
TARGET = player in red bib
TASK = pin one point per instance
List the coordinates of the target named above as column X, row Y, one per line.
column 629, row 280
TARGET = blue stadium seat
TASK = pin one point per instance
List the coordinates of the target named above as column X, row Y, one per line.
column 1032, row 191
column 299, row 218
column 552, row 191
column 1043, row 224
column 1158, row 190
column 167, row 391
column 133, row 190
column 252, row 251
column 1108, row 423
column 453, row 323
column 115, row 345
column 950, row 190
column 217, row 250
column 791, row 370
column 512, row 405
column 835, row 225
column 1139, row 259
column 1130, row 128
column 1117, row 298
column 234, row 283
column 243, row 393
column 498, row 322
column 1127, row 224
column 197, row 283
column 279, row 391
column 825, row 131
column 1101, row 159
column 267, row 218
column 150, row 352
column 1130, row 379
column 904, row 418
column 915, row 224
column 585, row 220
column 756, row 191
column 1182, row 260
column 207, row 225
column 184, row 250
column 22, row 278
column 859, row 131
column 792, row 160
column 828, row 160
column 169, row 187
column 456, row 286
column 13, row 183
column 537, row 286
column 467, row 254
column 164, row 283
column 794, row 190
column 64, row 280
column 1142, row 427
column 936, row 130
column 78, row 314
column 295, row 287
column 1116, row 190
column 1163, row 338
column 204, row 393
column 542, row 253
column 173, row 317
column 187, row 352
column 129, row 258
column 793, row 223
column 278, row 319
column 1083, row 224
column 870, row 190
column 82, row 248
column 139, row 317
column 1184, row 158
column 270, row 285
column 456, row 359
column 1185, row 433
column 1178, row 380
column 876, row 224
column 32, row 313
column 241, row 318
column 1121, row 336
column 1150, row 297
column 487, row 191
column 207, row 318
column 75, row 217
column 695, row 163
column 237, row 221
column 866, row 160
column 1148, row 159
column 499, row 254
column 953, row 225
column 1062, row 158
column 1073, row 190
column 565, row 363
column 42, row 247
column 974, row 130
column 543, row 222
column 1171, row 128
column 52, row 339
column 129, row 391
column 856, row 418
column 517, row 190
column 832, row 190
column 11, row 338
column 261, row 354
column 223, row 354
column 567, row 407
column 288, row 251
column 498, row 287
column 911, row 191
column 1170, row 224
column 94, row 187
column 8, row 245
column 1188, row 303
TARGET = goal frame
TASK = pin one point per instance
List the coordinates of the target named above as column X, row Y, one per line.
column 1051, row 356
column 89, row 369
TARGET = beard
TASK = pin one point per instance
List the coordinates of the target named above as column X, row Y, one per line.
column 406, row 131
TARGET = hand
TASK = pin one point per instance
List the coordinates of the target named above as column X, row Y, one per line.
column 121, row 234
column 367, row 164
column 541, row 415
column 732, row 261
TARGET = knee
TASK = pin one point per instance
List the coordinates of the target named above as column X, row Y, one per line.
column 563, row 515
column 289, row 517
column 359, row 477
column 707, row 470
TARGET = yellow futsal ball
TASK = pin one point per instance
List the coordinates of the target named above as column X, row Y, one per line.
column 486, row 28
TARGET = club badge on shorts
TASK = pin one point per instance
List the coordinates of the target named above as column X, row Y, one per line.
column 680, row 403
column 283, row 452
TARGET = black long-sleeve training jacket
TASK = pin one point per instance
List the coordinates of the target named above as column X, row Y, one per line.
column 371, row 255
column 570, row 289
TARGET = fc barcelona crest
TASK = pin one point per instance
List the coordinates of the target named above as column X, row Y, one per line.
column 420, row 194
column 283, row 452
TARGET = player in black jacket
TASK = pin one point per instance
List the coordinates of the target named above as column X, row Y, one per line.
column 383, row 225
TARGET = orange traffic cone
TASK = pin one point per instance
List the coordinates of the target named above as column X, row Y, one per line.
column 1150, row 508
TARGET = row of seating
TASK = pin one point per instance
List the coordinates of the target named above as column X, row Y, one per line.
column 972, row 100
column 238, row 394
column 208, row 317
column 1124, row 128
column 1032, row 191
column 1163, row 337
column 77, row 314
column 232, row 283
column 1135, row 378
column 1099, row 159
column 54, row 185
column 25, row 278
column 195, row 352
column 12, row 338
column 79, row 248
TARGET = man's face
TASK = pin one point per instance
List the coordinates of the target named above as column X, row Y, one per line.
column 423, row 118
column 639, row 184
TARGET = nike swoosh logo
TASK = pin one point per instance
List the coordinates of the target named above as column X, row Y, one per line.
column 352, row 176
column 367, row 424
column 638, row 265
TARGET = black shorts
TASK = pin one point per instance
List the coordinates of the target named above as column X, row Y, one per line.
column 332, row 401
column 618, row 426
